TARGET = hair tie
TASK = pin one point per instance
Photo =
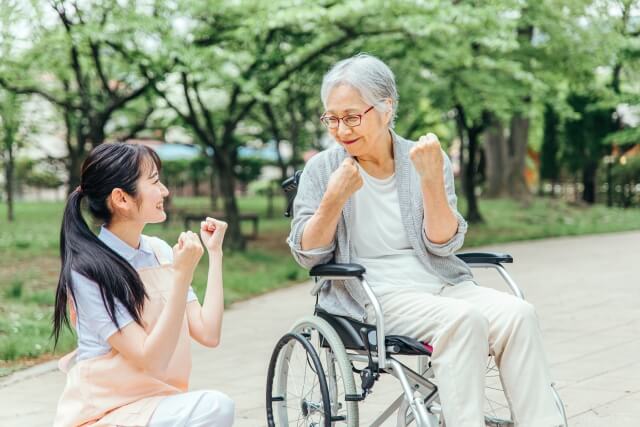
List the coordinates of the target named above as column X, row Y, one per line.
column 79, row 190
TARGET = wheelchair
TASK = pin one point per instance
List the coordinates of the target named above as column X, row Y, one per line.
column 312, row 373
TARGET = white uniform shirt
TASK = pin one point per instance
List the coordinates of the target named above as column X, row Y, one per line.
column 380, row 241
column 94, row 325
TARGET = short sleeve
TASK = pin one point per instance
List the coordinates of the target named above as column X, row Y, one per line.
column 92, row 314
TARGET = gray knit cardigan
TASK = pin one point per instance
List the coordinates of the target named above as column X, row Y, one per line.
column 348, row 298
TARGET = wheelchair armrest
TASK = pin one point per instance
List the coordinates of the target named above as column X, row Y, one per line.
column 337, row 270
column 485, row 258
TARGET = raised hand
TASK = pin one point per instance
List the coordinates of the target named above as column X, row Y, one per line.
column 345, row 180
column 212, row 234
column 187, row 253
column 426, row 156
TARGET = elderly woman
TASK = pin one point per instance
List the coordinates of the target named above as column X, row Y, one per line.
column 389, row 204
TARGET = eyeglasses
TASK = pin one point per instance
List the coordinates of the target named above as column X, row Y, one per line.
column 351, row 120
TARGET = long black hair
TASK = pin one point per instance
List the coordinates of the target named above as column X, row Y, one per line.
column 107, row 166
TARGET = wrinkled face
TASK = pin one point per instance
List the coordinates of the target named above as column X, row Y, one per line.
column 151, row 194
column 374, row 127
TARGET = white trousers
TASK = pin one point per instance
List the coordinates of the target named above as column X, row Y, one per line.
column 464, row 324
column 202, row 408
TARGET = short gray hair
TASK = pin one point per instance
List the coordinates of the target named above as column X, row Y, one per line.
column 369, row 76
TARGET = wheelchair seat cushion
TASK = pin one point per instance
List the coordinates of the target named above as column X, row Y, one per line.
column 349, row 331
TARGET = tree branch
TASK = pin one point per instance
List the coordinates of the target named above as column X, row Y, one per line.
column 95, row 54
column 32, row 90
column 207, row 114
column 139, row 126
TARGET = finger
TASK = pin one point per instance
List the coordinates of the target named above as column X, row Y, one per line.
column 213, row 221
column 217, row 223
column 431, row 137
column 349, row 161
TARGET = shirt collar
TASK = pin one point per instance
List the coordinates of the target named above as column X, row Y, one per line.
column 122, row 248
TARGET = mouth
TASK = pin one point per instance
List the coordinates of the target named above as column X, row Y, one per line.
column 350, row 142
column 160, row 206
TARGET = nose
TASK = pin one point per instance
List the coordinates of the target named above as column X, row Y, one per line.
column 343, row 130
column 165, row 190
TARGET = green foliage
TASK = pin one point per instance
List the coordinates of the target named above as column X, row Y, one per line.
column 248, row 169
column 627, row 171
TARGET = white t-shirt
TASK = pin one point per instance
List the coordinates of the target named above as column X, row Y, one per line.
column 94, row 325
column 380, row 241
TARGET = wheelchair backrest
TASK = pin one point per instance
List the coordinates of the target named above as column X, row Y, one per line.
column 290, row 187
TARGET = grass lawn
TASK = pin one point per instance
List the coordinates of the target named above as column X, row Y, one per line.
column 29, row 261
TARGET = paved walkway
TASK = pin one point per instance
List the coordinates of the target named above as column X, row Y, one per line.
column 586, row 290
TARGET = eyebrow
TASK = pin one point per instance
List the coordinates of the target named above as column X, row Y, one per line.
column 154, row 174
column 347, row 111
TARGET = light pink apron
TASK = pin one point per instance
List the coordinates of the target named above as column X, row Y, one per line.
column 109, row 390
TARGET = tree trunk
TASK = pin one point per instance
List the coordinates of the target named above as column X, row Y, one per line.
column 518, row 143
column 468, row 138
column 589, row 181
column 76, row 151
column 469, row 181
column 74, row 163
column 495, row 148
column 9, row 184
column 213, row 189
column 234, row 240
column 549, row 168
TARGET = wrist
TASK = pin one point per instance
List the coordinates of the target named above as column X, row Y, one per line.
column 215, row 254
column 432, row 184
column 182, row 278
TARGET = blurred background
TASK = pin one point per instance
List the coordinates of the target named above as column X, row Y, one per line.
column 536, row 102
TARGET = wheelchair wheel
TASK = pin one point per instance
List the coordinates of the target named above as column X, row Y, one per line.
column 310, row 378
column 297, row 390
column 497, row 409
column 497, row 406
column 497, row 412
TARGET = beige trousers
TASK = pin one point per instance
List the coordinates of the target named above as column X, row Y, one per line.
column 465, row 323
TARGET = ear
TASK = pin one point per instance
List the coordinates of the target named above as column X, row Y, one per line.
column 120, row 201
column 388, row 115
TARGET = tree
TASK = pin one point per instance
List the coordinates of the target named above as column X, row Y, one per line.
column 10, row 108
column 11, row 140
column 584, row 140
column 73, row 65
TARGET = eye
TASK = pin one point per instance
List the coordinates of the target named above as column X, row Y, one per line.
column 351, row 120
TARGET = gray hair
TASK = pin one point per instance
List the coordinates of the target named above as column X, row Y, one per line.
column 369, row 76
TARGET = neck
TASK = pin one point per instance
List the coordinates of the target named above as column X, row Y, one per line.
column 381, row 154
column 127, row 231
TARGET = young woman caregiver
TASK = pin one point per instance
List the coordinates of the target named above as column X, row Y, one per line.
column 131, row 303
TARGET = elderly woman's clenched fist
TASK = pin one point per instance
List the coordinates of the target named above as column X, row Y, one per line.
column 345, row 180
column 426, row 156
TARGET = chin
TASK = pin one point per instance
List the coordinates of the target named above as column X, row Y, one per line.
column 158, row 218
column 353, row 151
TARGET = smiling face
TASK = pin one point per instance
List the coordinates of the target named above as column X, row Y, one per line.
column 374, row 126
column 151, row 194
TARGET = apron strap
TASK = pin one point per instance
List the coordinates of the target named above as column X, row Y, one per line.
column 159, row 249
